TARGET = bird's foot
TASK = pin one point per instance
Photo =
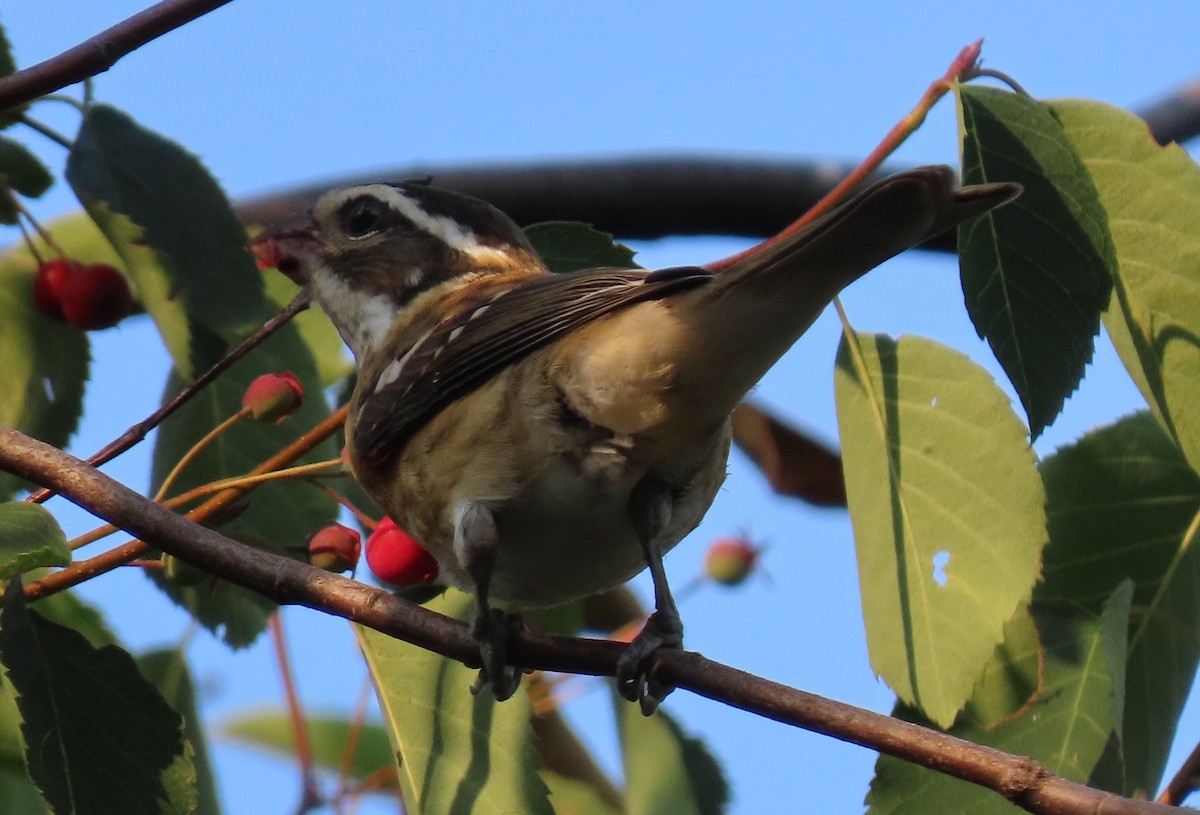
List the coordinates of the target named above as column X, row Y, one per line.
column 492, row 629
column 636, row 680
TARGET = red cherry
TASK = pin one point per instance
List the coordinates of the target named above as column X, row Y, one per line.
column 730, row 560
column 96, row 296
column 396, row 558
column 48, row 285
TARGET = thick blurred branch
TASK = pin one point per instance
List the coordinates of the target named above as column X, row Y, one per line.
column 99, row 53
column 1020, row 780
column 656, row 196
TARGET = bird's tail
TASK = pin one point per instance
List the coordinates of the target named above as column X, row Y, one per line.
column 743, row 321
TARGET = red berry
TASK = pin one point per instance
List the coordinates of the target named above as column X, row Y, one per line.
column 335, row 548
column 730, row 560
column 273, row 397
column 48, row 285
column 96, row 296
column 396, row 558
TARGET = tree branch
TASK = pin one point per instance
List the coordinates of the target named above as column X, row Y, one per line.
column 99, row 53
column 649, row 197
column 1021, row 780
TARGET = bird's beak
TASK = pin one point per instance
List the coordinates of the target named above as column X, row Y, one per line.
column 288, row 247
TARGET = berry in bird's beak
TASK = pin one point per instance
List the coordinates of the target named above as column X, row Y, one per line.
column 282, row 247
column 266, row 253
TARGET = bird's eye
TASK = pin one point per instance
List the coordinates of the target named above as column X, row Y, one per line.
column 362, row 217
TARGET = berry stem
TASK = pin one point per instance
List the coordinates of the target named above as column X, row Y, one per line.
column 80, row 571
column 195, row 450
column 138, row 431
column 246, row 482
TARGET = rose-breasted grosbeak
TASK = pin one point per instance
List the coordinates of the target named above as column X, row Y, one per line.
column 547, row 436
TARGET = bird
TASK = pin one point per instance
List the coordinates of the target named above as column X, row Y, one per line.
column 548, row 436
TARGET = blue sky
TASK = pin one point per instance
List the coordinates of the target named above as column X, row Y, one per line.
column 270, row 93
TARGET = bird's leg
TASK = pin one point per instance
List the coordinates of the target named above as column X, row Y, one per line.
column 476, row 543
column 650, row 511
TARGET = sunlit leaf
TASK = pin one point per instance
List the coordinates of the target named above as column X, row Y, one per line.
column 665, row 769
column 1048, row 693
column 947, row 510
column 1152, row 197
column 1121, row 504
column 457, row 752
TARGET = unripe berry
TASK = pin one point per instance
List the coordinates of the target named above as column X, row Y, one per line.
column 334, row 548
column 273, row 397
column 48, row 285
column 96, row 296
column 397, row 559
column 730, row 560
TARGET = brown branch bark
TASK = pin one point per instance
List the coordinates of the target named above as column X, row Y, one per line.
column 101, row 52
column 1183, row 783
column 1021, row 780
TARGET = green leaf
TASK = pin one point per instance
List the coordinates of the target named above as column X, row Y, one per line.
column 167, row 670
column 100, row 737
column 665, row 769
column 458, row 752
column 19, row 794
column 1037, row 273
column 8, row 65
column 1121, row 504
column 176, row 232
column 29, row 538
column 45, row 364
column 947, row 510
column 568, row 246
column 570, row 796
column 1152, row 197
column 22, row 170
column 1048, row 693
column 328, row 736
column 66, row 609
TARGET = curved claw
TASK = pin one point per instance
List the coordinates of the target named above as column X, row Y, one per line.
column 491, row 632
column 636, row 668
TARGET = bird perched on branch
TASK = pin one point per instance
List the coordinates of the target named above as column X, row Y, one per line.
column 548, row 436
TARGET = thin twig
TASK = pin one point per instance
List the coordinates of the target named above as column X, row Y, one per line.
column 310, row 795
column 1183, row 783
column 99, row 53
column 138, row 431
column 1021, row 780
